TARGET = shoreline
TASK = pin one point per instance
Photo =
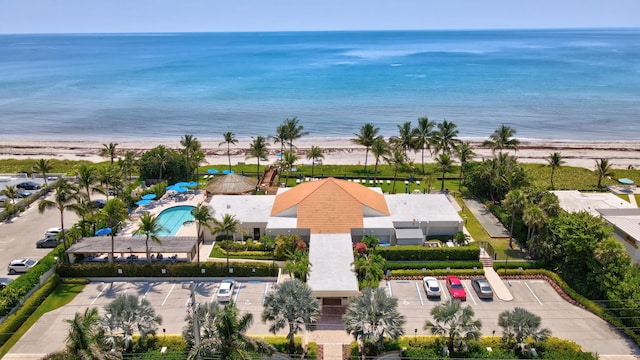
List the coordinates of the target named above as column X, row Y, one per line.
column 621, row 154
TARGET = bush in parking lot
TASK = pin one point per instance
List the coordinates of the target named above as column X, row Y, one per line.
column 211, row 269
column 418, row 273
column 405, row 265
column 421, row 253
column 517, row 264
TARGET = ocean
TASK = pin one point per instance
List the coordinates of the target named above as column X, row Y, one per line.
column 547, row 84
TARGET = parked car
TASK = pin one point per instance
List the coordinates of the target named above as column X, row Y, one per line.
column 24, row 193
column 455, row 288
column 98, row 203
column 226, row 290
column 28, row 185
column 482, row 288
column 3, row 285
column 48, row 242
column 431, row 286
column 21, row 265
column 52, row 232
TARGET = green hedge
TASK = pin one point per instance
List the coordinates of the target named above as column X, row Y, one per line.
column 415, row 273
column 405, row 265
column 13, row 322
column 219, row 252
column 516, row 264
column 212, row 269
column 421, row 253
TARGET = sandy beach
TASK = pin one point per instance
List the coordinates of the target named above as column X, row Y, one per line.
column 336, row 151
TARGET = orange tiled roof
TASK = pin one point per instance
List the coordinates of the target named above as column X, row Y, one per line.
column 330, row 205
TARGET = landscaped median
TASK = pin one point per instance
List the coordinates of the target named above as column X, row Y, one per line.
column 204, row 269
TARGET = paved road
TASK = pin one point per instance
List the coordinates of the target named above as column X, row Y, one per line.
column 489, row 222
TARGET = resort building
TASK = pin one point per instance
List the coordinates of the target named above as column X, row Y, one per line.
column 330, row 215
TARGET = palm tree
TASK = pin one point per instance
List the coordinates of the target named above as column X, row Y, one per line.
column 280, row 137
column 228, row 224
column 229, row 138
column 371, row 318
column 11, row 192
column 445, row 139
column 65, row 198
column 465, row 153
column 444, row 162
column 203, row 217
column 191, row 147
column 86, row 176
column 314, row 154
column 162, row 157
column 231, row 341
column 396, row 159
column 258, row 150
column 128, row 314
column 603, row 169
column 43, row 166
column 368, row 134
column 289, row 159
column 514, row 202
column 293, row 131
column 424, row 136
column 83, row 333
column 207, row 314
column 406, row 138
column 127, row 165
column 109, row 151
column 114, row 212
column 520, row 324
column 297, row 264
column 534, row 217
column 370, row 269
column 379, row 149
column 150, row 227
column 555, row 161
column 291, row 305
column 455, row 323
column 502, row 138
column 108, row 178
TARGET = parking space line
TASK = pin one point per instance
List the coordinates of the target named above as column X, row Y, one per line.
column 532, row 293
column 264, row 293
column 237, row 293
column 443, row 291
column 419, row 295
column 215, row 291
column 149, row 289
column 99, row 294
column 390, row 289
column 469, row 294
column 168, row 294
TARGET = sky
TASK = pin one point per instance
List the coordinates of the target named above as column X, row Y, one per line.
column 129, row 16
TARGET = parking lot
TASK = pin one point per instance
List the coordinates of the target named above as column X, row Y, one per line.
column 537, row 296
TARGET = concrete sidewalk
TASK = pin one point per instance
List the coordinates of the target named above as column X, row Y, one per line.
column 499, row 288
column 489, row 222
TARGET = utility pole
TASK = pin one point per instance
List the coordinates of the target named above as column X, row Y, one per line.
column 194, row 314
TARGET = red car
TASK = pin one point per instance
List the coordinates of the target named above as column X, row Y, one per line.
column 455, row 288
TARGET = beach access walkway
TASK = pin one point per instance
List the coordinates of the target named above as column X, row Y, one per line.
column 489, row 222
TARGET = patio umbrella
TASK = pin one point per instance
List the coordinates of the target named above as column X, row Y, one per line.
column 149, row 196
column 181, row 184
column 191, row 184
column 103, row 231
column 143, row 202
column 180, row 189
column 625, row 181
column 227, row 172
column 213, row 171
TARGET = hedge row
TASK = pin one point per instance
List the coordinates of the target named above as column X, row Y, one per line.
column 405, row 265
column 421, row 253
column 22, row 205
column 517, row 264
column 418, row 274
column 211, row 269
column 249, row 254
column 13, row 322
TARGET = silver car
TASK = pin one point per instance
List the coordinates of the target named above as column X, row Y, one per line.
column 431, row 286
column 21, row 265
column 226, row 290
column 482, row 288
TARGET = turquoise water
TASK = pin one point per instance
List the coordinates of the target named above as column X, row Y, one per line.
column 547, row 84
column 172, row 219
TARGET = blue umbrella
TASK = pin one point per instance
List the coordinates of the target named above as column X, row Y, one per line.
column 103, row 231
column 180, row 189
column 149, row 196
column 191, row 184
column 280, row 155
column 228, row 172
column 143, row 202
column 625, row 181
column 180, row 184
column 213, row 171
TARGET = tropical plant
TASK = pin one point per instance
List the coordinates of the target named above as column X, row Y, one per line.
column 149, row 226
column 162, row 158
column 445, row 139
column 520, row 324
column 109, row 179
column 291, row 305
column 297, row 264
column 258, row 150
column 314, row 154
column 126, row 316
column 227, row 225
column 11, row 192
column 444, row 162
column 379, row 149
column 397, row 159
column 406, row 139
column 289, row 159
column 603, row 169
column 109, row 151
column 535, row 218
column 86, row 176
column 127, row 164
column 455, row 323
column 43, row 166
column 293, row 131
column 369, row 268
column 424, row 136
column 114, row 212
column 229, row 138
column 65, row 198
column 465, row 153
column 203, row 217
column 515, row 202
column 461, row 238
column 162, row 163
column 192, row 150
column 372, row 318
column 502, row 138
column 231, row 341
column 368, row 134
column 280, row 137
column 207, row 314
column 554, row 161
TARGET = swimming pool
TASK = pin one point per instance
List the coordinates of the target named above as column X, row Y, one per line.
column 171, row 219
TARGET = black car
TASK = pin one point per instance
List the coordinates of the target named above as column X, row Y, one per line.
column 98, row 203
column 48, row 242
column 28, row 185
column 24, row 193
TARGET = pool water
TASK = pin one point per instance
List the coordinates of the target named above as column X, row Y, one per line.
column 173, row 218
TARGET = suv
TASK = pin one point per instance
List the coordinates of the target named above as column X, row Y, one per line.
column 226, row 290
column 21, row 265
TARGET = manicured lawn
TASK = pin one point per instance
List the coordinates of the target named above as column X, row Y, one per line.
column 61, row 296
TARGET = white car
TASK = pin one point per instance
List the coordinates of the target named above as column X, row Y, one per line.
column 226, row 290
column 53, row 232
column 21, row 265
column 431, row 286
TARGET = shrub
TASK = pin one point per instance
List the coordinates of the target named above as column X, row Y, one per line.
column 397, row 265
column 211, row 269
column 421, row 253
column 418, row 274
